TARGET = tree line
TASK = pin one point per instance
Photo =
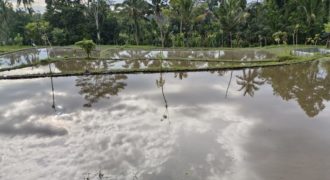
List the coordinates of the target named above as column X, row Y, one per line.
column 173, row 23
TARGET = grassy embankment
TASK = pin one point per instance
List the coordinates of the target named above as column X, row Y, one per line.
column 8, row 49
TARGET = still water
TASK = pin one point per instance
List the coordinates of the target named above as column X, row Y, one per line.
column 32, row 56
column 109, row 65
column 242, row 55
column 255, row 124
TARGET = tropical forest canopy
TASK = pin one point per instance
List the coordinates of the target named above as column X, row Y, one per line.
column 173, row 23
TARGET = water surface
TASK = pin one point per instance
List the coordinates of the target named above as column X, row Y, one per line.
column 242, row 55
column 34, row 55
column 69, row 66
column 270, row 123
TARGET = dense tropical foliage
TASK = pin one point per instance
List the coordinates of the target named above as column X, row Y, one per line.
column 173, row 23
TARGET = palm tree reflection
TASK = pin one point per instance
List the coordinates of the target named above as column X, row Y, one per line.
column 52, row 83
column 53, row 94
column 160, row 84
column 229, row 83
column 248, row 82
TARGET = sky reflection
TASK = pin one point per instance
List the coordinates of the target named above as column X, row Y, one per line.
column 214, row 128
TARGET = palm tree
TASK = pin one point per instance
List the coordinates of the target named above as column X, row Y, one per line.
column 5, row 11
column 160, row 18
column 135, row 9
column 327, row 30
column 231, row 14
column 184, row 9
column 26, row 3
column 310, row 8
column 95, row 10
column 326, row 6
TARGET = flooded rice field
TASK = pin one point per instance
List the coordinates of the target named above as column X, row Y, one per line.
column 267, row 123
column 108, row 65
column 242, row 55
column 33, row 56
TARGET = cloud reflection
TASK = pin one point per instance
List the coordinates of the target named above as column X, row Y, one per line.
column 124, row 139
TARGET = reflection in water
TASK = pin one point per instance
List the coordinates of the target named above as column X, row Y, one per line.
column 308, row 84
column 229, row 82
column 22, row 57
column 248, row 82
column 95, row 87
column 81, row 66
column 33, row 55
column 182, row 75
column 51, row 81
column 160, row 84
column 243, row 55
column 209, row 138
column 53, row 94
column 98, row 175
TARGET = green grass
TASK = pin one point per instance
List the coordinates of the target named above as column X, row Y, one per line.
column 285, row 50
column 281, row 50
column 6, row 49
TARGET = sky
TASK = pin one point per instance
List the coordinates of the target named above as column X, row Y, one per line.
column 40, row 5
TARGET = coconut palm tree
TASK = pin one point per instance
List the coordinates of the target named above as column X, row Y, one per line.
column 310, row 8
column 26, row 3
column 6, row 11
column 135, row 9
column 184, row 9
column 162, row 19
column 231, row 14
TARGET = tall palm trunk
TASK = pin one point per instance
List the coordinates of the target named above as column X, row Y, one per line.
column 136, row 30
column 294, row 39
column 160, row 20
column 96, row 15
column 162, row 37
column 181, row 22
column 231, row 40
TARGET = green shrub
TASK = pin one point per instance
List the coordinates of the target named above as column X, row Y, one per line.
column 195, row 40
column 177, row 40
column 87, row 46
column 18, row 40
column 58, row 36
column 36, row 31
